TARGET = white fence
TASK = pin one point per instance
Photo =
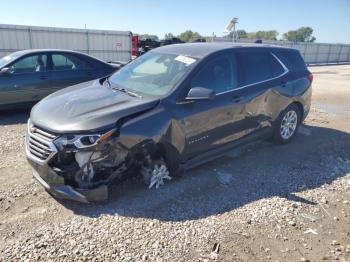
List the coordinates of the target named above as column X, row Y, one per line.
column 106, row 45
column 313, row 53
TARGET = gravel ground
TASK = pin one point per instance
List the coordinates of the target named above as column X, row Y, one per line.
column 270, row 203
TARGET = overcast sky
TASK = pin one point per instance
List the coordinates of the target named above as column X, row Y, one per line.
column 330, row 19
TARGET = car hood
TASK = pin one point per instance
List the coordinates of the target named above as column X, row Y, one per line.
column 86, row 107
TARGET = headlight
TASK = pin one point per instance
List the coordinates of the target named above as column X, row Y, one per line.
column 82, row 141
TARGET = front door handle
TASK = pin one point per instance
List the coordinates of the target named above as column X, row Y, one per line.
column 43, row 77
column 236, row 99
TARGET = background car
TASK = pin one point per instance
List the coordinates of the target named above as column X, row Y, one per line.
column 30, row 75
column 171, row 41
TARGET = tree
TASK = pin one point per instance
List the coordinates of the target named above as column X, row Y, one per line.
column 147, row 36
column 264, row 35
column 188, row 36
column 168, row 36
column 303, row 34
column 240, row 34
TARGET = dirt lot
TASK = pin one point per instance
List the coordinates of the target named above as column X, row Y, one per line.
column 271, row 203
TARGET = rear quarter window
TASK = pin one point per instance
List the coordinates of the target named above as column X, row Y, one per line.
column 291, row 59
column 256, row 66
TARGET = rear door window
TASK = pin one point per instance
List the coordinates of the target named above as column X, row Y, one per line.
column 257, row 66
column 68, row 62
column 217, row 74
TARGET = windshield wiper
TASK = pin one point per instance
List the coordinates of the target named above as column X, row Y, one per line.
column 108, row 83
column 121, row 89
column 124, row 90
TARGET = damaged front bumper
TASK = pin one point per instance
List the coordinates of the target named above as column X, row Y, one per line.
column 76, row 180
column 56, row 186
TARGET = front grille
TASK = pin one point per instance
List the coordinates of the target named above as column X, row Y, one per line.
column 40, row 143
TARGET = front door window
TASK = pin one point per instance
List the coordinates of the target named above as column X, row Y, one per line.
column 30, row 64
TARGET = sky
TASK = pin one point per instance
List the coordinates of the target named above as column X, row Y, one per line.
column 330, row 19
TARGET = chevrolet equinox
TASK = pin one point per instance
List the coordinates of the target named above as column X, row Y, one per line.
column 173, row 108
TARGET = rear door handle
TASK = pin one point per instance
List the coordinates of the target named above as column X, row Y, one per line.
column 236, row 99
column 43, row 77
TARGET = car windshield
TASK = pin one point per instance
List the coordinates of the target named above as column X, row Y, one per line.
column 7, row 59
column 153, row 73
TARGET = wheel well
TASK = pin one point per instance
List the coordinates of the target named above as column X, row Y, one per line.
column 170, row 154
column 155, row 151
column 301, row 109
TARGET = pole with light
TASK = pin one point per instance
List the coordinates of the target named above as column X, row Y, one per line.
column 231, row 28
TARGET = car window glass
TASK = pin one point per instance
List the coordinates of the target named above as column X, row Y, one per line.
column 29, row 64
column 216, row 75
column 276, row 67
column 7, row 59
column 291, row 59
column 154, row 74
column 253, row 67
column 152, row 67
column 68, row 62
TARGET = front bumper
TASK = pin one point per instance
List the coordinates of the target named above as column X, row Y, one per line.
column 55, row 184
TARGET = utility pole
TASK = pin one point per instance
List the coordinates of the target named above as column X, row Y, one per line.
column 231, row 28
column 235, row 21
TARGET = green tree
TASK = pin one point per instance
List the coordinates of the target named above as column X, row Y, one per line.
column 240, row 34
column 168, row 36
column 264, row 35
column 147, row 36
column 188, row 36
column 303, row 34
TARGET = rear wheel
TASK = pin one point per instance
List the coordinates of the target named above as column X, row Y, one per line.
column 287, row 125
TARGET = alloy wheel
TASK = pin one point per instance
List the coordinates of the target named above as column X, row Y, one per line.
column 289, row 124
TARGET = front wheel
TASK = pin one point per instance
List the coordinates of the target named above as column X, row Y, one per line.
column 287, row 125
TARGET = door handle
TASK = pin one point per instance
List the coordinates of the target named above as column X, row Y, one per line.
column 43, row 77
column 89, row 73
column 236, row 99
column 283, row 83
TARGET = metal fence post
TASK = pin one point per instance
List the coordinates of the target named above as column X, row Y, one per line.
column 317, row 53
column 30, row 38
column 329, row 53
column 339, row 54
column 348, row 57
column 87, row 42
column 305, row 49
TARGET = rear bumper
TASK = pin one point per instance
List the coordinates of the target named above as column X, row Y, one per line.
column 54, row 184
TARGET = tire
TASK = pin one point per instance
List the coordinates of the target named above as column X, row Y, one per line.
column 287, row 124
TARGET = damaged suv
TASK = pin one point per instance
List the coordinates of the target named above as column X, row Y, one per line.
column 171, row 109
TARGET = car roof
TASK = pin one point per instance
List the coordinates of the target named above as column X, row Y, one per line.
column 201, row 50
column 33, row 51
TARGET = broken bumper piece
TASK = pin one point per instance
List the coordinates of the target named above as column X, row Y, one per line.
column 54, row 184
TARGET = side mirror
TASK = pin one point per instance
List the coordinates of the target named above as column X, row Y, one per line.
column 5, row 71
column 200, row 93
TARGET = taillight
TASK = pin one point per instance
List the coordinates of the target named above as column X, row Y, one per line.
column 134, row 48
column 310, row 77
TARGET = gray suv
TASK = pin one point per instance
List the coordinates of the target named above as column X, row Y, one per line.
column 171, row 109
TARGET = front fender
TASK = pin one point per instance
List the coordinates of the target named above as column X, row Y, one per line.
column 157, row 126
